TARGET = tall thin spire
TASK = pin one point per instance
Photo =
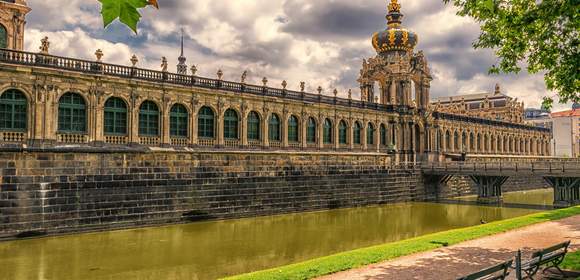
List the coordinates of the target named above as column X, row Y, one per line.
column 181, row 66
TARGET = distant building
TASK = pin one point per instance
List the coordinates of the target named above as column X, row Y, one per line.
column 493, row 106
column 538, row 117
column 566, row 130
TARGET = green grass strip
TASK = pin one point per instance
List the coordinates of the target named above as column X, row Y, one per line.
column 572, row 261
column 365, row 256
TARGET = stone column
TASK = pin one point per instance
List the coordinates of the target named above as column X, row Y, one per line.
column 393, row 92
column 134, row 122
column 335, row 139
column 303, row 129
column 377, row 136
column 244, row 129
column 350, row 135
column 320, row 132
column 364, row 135
column 220, row 128
column 265, row 130
column 193, row 127
column 284, row 129
column 165, row 133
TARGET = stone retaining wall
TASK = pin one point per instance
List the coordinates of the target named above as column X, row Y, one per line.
column 69, row 192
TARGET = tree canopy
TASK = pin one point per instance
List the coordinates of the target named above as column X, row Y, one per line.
column 540, row 35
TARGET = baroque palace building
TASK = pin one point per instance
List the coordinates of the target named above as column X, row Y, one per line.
column 54, row 102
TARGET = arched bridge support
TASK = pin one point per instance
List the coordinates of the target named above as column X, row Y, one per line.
column 433, row 184
column 566, row 190
column 489, row 188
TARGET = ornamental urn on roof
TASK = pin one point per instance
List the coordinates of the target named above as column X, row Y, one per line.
column 394, row 39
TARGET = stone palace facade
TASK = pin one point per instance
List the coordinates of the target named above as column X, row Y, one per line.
column 52, row 102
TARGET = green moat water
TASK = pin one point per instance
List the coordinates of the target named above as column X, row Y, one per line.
column 210, row 250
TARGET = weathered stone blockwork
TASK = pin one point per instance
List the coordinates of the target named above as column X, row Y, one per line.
column 462, row 186
column 64, row 192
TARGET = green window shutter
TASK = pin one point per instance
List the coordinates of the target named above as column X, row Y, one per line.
column 253, row 126
column 3, row 37
column 327, row 132
column 13, row 106
column 178, row 121
column 72, row 114
column 293, row 129
column 231, row 124
column 205, row 123
column 148, row 119
column 356, row 133
column 383, row 135
column 370, row 134
column 115, row 117
column 274, row 128
column 342, row 133
column 311, row 131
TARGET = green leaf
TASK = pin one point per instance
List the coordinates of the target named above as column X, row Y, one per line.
column 125, row 10
column 489, row 5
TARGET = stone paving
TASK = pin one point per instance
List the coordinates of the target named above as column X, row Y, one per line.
column 459, row 260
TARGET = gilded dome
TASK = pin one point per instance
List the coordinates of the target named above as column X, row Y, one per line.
column 394, row 38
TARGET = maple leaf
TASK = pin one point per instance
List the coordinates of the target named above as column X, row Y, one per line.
column 124, row 10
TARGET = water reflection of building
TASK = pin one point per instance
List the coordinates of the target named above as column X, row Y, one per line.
column 493, row 106
column 50, row 101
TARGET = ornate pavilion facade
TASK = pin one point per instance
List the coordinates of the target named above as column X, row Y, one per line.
column 54, row 102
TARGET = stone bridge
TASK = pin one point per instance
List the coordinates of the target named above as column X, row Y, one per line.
column 489, row 176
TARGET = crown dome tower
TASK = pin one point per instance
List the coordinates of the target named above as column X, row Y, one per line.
column 394, row 39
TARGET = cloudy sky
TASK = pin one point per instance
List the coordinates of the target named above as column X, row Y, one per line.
column 321, row 42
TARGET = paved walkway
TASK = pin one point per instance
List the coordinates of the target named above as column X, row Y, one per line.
column 459, row 260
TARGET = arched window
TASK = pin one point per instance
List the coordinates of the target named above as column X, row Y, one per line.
column 115, row 116
column 231, row 124
column 356, row 133
column 479, row 146
column 311, row 131
column 342, row 132
column 464, row 141
column 448, row 140
column 440, row 140
column 471, row 142
column 149, row 119
column 205, row 123
column 383, row 135
column 3, row 37
column 456, row 140
column 274, row 128
column 486, row 143
column 253, row 126
column 370, row 134
column 72, row 113
column 13, row 110
column 327, row 132
column 178, row 121
column 393, row 135
column 293, row 129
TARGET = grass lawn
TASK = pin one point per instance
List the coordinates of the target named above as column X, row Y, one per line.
column 572, row 261
column 365, row 256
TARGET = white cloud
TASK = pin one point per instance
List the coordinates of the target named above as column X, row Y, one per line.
column 238, row 35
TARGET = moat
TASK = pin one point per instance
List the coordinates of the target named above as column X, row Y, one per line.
column 209, row 250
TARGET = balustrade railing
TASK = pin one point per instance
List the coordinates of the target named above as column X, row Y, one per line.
column 13, row 136
column 94, row 67
column 149, row 140
column 179, row 141
column 525, row 167
column 70, row 138
column 116, row 139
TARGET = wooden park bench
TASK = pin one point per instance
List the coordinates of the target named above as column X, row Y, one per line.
column 549, row 257
column 498, row 272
